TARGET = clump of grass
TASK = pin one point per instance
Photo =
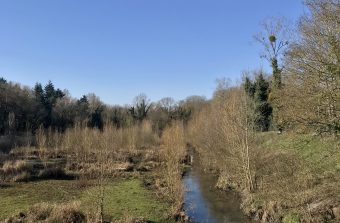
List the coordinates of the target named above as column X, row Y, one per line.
column 39, row 212
column 17, row 166
column 18, row 170
column 46, row 212
column 68, row 213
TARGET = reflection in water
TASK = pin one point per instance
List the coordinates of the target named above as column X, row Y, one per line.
column 205, row 204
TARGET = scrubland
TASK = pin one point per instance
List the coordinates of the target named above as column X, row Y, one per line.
column 88, row 175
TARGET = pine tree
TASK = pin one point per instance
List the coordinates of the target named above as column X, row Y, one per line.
column 83, row 109
column 39, row 93
column 262, row 109
column 249, row 87
column 3, row 80
column 96, row 120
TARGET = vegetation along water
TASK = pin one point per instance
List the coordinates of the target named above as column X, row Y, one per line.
column 263, row 149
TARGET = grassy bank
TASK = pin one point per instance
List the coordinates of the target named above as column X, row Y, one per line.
column 298, row 178
column 123, row 198
column 295, row 176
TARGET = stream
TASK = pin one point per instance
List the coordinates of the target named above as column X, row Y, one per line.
column 203, row 203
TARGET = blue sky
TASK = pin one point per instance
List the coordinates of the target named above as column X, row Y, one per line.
column 120, row 48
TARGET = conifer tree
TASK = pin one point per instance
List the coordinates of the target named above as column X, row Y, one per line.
column 262, row 110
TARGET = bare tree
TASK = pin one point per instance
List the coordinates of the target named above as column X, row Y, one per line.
column 141, row 107
column 312, row 81
column 167, row 103
column 274, row 38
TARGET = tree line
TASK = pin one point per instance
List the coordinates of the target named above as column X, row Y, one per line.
column 25, row 109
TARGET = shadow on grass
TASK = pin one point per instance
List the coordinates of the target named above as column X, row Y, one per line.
column 5, row 185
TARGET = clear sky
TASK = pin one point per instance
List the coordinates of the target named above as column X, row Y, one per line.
column 120, row 48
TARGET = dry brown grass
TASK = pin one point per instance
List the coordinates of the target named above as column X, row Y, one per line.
column 98, row 155
column 65, row 213
column 173, row 152
column 17, row 166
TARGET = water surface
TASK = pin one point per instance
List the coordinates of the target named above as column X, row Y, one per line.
column 205, row 204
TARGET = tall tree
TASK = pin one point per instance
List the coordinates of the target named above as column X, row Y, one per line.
column 249, row 87
column 263, row 109
column 82, row 109
column 3, row 80
column 312, row 78
column 275, row 38
column 257, row 91
column 96, row 108
column 141, row 107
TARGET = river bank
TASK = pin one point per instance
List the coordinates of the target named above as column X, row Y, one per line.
column 204, row 203
column 296, row 178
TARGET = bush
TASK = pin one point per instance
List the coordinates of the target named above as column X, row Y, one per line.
column 65, row 213
column 15, row 167
column 39, row 212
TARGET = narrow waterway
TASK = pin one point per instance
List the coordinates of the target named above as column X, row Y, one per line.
column 205, row 204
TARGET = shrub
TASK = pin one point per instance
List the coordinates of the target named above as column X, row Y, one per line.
column 61, row 213
column 39, row 212
column 15, row 167
column 67, row 213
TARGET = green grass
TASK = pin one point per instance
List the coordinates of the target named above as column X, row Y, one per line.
column 309, row 169
column 20, row 196
column 121, row 197
column 128, row 197
column 291, row 218
column 323, row 153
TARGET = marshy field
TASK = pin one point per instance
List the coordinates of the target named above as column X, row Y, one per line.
column 125, row 175
column 261, row 146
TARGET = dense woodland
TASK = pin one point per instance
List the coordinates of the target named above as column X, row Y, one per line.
column 25, row 109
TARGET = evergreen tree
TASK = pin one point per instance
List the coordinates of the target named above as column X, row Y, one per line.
column 249, row 87
column 262, row 110
column 82, row 113
column 3, row 80
column 96, row 120
column 39, row 93
column 277, row 76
